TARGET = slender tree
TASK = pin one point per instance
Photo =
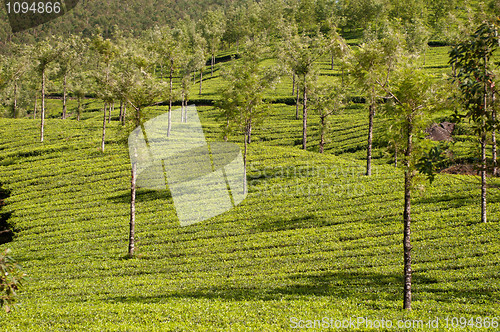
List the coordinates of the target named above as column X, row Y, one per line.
column 473, row 58
column 213, row 26
column 241, row 100
column 44, row 54
column 70, row 58
column 142, row 92
column 167, row 45
column 412, row 97
column 374, row 61
column 300, row 53
column 326, row 100
column 106, row 51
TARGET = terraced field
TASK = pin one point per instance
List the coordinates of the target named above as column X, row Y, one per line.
column 314, row 237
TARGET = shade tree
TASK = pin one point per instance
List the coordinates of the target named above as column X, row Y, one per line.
column 474, row 62
column 372, row 64
column 327, row 99
column 411, row 98
column 106, row 51
column 70, row 60
column 300, row 53
column 242, row 99
column 44, row 54
column 213, row 25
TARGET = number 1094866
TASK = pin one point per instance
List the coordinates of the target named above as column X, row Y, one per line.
column 33, row 7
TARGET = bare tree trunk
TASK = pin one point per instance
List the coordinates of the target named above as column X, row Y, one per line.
column 79, row 109
column 111, row 105
column 124, row 113
column 212, row 65
column 304, row 117
column 182, row 108
column 396, row 156
column 371, row 113
column 42, row 115
column 322, row 139
column 121, row 110
column 483, row 151
column 201, row 80
column 483, row 176
column 293, row 84
column 103, row 128
column 227, row 130
column 249, row 136
column 34, row 109
column 331, row 65
column 64, row 97
column 14, row 111
column 245, row 165
column 297, row 101
column 407, row 221
column 169, row 126
column 494, row 141
column 131, row 237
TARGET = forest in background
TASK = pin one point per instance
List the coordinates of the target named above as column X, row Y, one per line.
column 442, row 17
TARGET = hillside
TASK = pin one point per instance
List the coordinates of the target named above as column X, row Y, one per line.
column 313, row 239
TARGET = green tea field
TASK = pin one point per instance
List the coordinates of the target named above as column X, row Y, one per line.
column 314, row 239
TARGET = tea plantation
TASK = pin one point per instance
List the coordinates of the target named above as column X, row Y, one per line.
column 314, row 239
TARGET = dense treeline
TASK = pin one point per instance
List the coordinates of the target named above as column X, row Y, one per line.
column 441, row 17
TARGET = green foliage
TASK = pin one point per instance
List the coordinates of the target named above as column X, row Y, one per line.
column 432, row 161
column 473, row 60
column 242, row 100
column 12, row 279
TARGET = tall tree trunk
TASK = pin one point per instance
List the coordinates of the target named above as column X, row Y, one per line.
column 494, row 138
column 111, row 106
column 14, row 111
column 42, row 114
column 35, row 107
column 131, row 237
column 371, row 114
column 395, row 156
column 169, row 126
column 79, row 109
column 212, row 65
column 245, row 164
column 249, row 136
column 331, row 64
column 483, row 149
column 322, row 139
column 227, row 130
column 103, row 128
column 64, row 96
column 124, row 113
column 293, row 84
column 483, row 176
column 121, row 110
column 201, row 80
column 182, row 108
column 304, row 117
column 297, row 102
column 133, row 187
column 407, row 220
